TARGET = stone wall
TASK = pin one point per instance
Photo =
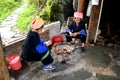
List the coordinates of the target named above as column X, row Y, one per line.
column 14, row 48
column 54, row 28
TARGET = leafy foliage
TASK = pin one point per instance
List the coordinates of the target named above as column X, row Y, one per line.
column 50, row 11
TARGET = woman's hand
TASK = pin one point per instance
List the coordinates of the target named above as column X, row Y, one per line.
column 48, row 43
column 70, row 34
column 75, row 34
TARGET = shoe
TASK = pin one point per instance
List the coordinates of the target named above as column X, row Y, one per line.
column 82, row 49
column 48, row 67
column 63, row 62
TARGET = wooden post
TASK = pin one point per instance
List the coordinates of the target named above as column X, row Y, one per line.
column 81, row 4
column 94, row 22
column 38, row 3
column 4, row 73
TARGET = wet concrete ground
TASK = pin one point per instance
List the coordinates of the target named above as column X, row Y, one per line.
column 94, row 64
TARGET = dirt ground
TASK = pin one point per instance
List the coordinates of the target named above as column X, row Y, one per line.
column 96, row 63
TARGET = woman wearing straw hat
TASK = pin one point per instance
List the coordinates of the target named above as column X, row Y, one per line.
column 35, row 48
column 77, row 30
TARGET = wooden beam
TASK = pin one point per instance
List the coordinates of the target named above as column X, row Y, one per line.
column 94, row 21
column 4, row 73
column 81, row 4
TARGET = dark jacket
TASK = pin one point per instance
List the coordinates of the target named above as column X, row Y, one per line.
column 29, row 52
column 73, row 27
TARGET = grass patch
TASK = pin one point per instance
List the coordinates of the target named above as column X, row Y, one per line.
column 26, row 17
column 7, row 7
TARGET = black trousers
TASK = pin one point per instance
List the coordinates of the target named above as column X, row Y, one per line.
column 47, row 60
column 79, row 36
column 28, row 57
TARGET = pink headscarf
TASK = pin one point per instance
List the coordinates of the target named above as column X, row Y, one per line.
column 78, row 15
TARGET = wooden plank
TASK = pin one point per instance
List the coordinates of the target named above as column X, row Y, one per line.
column 93, row 23
column 4, row 73
column 96, row 34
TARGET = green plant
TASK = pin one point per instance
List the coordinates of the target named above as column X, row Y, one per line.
column 26, row 17
column 50, row 11
column 7, row 7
